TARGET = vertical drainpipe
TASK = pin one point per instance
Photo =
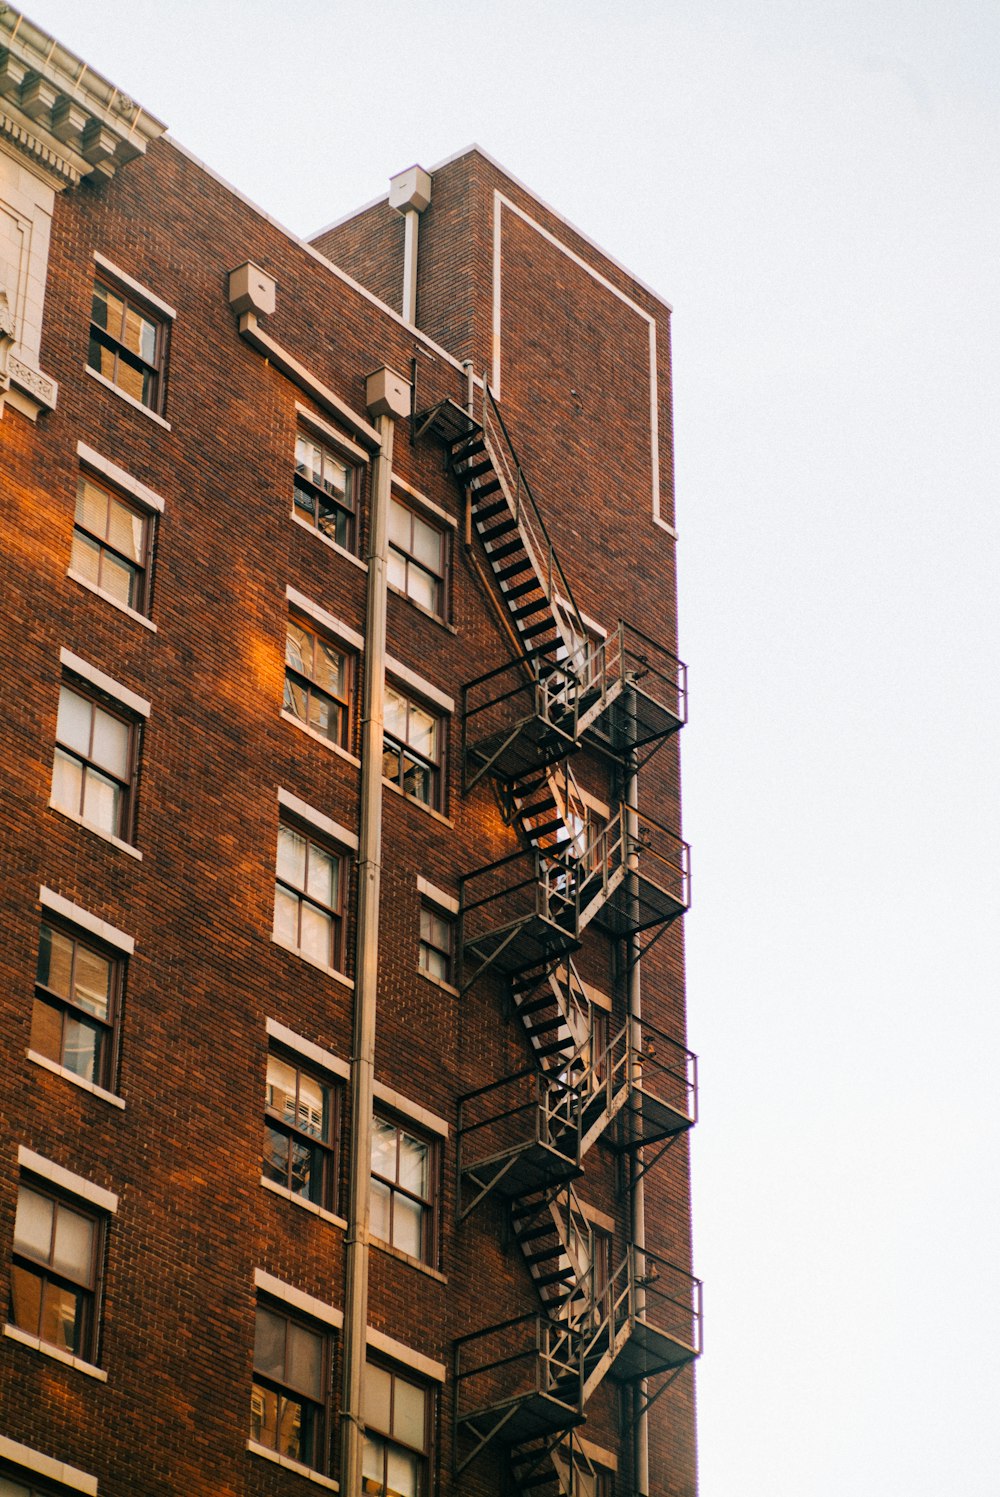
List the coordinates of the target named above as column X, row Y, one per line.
column 638, row 1184
column 388, row 399
column 410, row 194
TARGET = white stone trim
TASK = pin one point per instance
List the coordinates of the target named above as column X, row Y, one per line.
column 143, row 292
column 297, row 1299
column 419, row 684
column 55, row 1174
column 56, row 1353
column 416, row 1361
column 80, row 1081
column 92, row 459
column 97, row 831
column 437, row 896
column 84, row 920
column 327, row 433
column 91, row 587
column 328, row 743
column 107, row 684
column 597, row 1218
column 302, row 1203
column 316, row 1477
column 296, row 807
column 396, row 1102
column 340, row 550
column 598, row 1453
column 137, row 405
column 421, row 501
column 325, row 1059
column 46, row 1467
column 327, row 621
column 311, row 961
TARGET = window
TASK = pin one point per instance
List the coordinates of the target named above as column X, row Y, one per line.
column 300, row 1131
column 437, row 943
column 76, row 996
column 308, row 897
column 127, row 345
column 418, row 558
column 402, row 1208
column 317, row 682
column 289, row 1405
column 411, row 755
column 325, row 493
column 92, row 775
column 397, row 1419
column 111, row 544
column 53, row 1289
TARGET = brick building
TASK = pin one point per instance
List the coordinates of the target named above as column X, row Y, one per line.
column 345, row 1089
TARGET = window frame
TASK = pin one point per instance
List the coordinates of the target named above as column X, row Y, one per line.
column 127, row 788
column 320, row 1437
column 141, row 306
column 428, row 1205
column 343, row 455
column 449, row 921
column 108, row 1028
column 338, row 916
column 307, row 683
column 327, row 1150
column 391, row 744
column 388, row 1438
column 86, row 1347
column 441, row 579
column 141, row 601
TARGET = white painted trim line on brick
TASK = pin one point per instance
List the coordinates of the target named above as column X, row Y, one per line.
column 297, row 1299
column 419, row 684
column 140, row 290
column 119, row 477
column 437, row 896
column 412, row 1110
column 327, row 621
column 422, row 502
column 45, row 1169
column 331, row 434
column 84, row 920
column 107, row 684
column 320, row 1057
column 316, row 819
column 390, row 1347
column 46, row 1467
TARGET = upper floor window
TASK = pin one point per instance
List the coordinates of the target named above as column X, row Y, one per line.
column 317, row 682
column 397, row 1414
column 402, row 1188
column 308, row 897
column 325, row 493
column 54, row 1279
column 412, row 748
column 127, row 344
column 111, row 544
column 436, row 955
column 76, row 998
column 290, row 1401
column 94, row 768
column 418, row 558
column 300, row 1131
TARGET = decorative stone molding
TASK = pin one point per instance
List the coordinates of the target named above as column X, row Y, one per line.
column 63, row 119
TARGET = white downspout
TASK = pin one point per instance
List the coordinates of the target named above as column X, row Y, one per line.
column 410, row 194
column 638, row 1214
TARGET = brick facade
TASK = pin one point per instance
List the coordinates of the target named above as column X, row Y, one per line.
column 174, row 1337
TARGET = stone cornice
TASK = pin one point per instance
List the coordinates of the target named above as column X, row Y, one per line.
column 63, row 119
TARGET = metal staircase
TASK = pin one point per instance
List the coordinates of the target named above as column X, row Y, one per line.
column 523, row 1139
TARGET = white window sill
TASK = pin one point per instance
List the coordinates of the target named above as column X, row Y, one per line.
column 418, row 1263
column 57, row 1355
column 92, row 587
column 128, row 399
column 421, row 805
column 290, row 1465
column 98, row 831
column 439, row 982
column 340, row 550
column 428, row 613
column 289, row 1195
column 80, row 1081
column 328, row 743
column 312, row 962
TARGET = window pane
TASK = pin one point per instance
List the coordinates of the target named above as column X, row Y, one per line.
column 413, row 1164
column 276, row 1146
column 407, row 1219
column 280, row 1087
column 9, row 1488
column 92, row 984
column 315, row 934
column 417, row 780
column 46, row 1030
column 304, row 1364
column 395, row 714
column 101, row 802
column 426, row 544
column 372, row 1461
column 296, row 699
column 73, row 724
column 85, row 557
column 323, row 876
column 61, row 1316
column 397, row 571
column 409, row 1422
column 403, row 1473
column 25, row 1299
column 118, row 578
column 67, row 783
column 399, row 526
column 423, row 589
column 73, row 1254
column 380, row 1201
column 313, row 1107
column 82, row 1047
column 55, row 961
column 33, row 1224
column 111, row 737
column 286, row 916
column 383, row 1149
column 263, row 1416
column 434, row 962
column 328, row 670
column 306, row 1172
column 291, row 857
column 132, row 381
column 269, row 1344
column 298, row 648
column 125, row 531
column 376, row 1400
column 423, row 732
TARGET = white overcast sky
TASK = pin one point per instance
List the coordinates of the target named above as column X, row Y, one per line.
column 813, row 185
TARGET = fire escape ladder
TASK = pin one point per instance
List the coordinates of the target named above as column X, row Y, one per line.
column 552, row 1466
column 557, row 1242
